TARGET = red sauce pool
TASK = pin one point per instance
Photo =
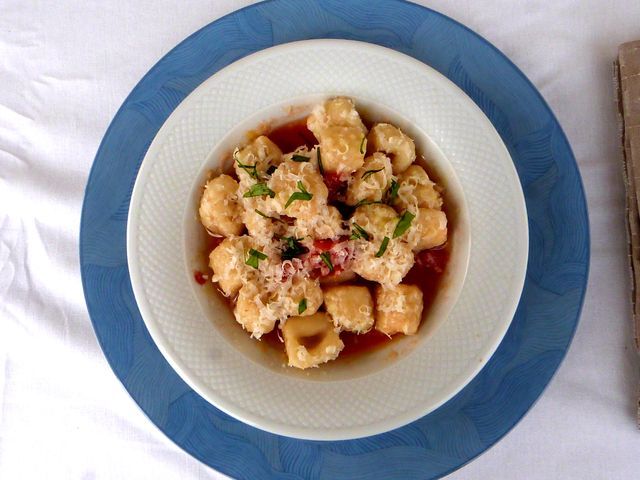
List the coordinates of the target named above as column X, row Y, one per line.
column 426, row 273
column 292, row 135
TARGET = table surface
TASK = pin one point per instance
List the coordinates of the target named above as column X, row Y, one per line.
column 65, row 70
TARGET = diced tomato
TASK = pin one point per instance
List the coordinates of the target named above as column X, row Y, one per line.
column 340, row 254
column 435, row 260
column 324, row 244
column 199, row 277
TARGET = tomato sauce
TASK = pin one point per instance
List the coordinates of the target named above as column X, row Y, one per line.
column 200, row 277
column 427, row 272
column 292, row 135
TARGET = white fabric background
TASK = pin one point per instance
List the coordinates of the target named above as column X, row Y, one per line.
column 66, row 66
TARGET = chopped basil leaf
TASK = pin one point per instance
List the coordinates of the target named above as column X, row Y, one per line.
column 301, row 195
column 383, row 247
column 392, row 193
column 262, row 214
column 259, row 190
column 302, row 306
column 258, row 254
column 300, row 158
column 320, row 167
column 253, row 260
column 271, row 169
column 371, row 172
column 403, row 224
column 326, row 258
column 366, row 202
column 362, row 144
column 359, row 232
column 293, row 248
column 252, row 170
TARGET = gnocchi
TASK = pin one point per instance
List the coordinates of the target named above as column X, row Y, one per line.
column 303, row 297
column 310, row 341
column 370, row 181
column 386, row 138
column 250, row 313
column 398, row 309
column 253, row 161
column 299, row 191
column 318, row 269
column 350, row 307
column 228, row 265
column 220, row 212
column 429, row 231
column 416, row 190
column 341, row 135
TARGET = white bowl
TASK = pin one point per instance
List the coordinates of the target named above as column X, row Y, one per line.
column 194, row 328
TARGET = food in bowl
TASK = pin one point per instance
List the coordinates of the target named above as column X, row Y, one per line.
column 327, row 233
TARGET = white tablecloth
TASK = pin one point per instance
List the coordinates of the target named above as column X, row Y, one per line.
column 66, row 66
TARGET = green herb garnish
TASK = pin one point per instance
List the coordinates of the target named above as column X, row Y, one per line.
column 383, row 247
column 366, row 202
column 392, row 193
column 252, row 170
column 301, row 195
column 368, row 173
column 293, row 248
column 264, row 215
column 259, row 190
column 253, row 260
column 302, row 306
column 403, row 224
column 326, row 258
column 300, row 158
column 320, row 167
column 359, row 232
column 362, row 144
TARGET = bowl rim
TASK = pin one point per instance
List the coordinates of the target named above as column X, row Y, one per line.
column 258, row 421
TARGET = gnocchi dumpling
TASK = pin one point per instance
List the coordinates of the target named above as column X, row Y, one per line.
column 387, row 269
column 338, row 111
column 350, row 307
column 302, row 297
column 341, row 133
column 227, row 261
column 220, row 212
column 416, row 190
column 250, row 311
column 381, row 258
column 299, row 191
column 311, row 341
column 376, row 219
column 328, row 224
column 428, row 229
column 258, row 223
column 342, row 111
column 398, row 309
column 371, row 181
column 252, row 162
column 384, row 137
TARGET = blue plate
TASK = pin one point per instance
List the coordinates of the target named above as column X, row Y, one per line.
column 485, row 410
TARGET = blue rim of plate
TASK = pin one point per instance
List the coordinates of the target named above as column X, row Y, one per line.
column 542, row 328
